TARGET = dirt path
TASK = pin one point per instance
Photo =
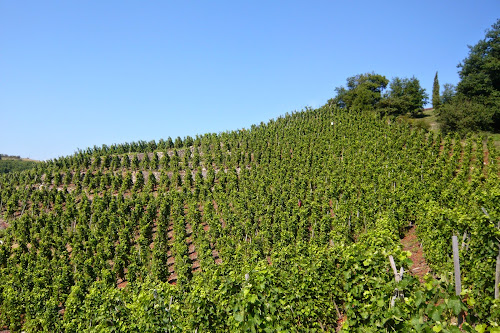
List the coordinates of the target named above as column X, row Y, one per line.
column 410, row 243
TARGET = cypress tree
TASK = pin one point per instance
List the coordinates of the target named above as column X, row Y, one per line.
column 436, row 101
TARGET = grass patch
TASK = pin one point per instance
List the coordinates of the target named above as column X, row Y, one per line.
column 429, row 120
column 426, row 120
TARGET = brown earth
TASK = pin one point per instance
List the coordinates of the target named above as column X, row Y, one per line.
column 3, row 224
column 419, row 266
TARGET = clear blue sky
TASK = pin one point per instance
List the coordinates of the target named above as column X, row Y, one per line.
column 74, row 74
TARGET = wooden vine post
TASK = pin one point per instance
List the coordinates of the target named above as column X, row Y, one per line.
column 397, row 276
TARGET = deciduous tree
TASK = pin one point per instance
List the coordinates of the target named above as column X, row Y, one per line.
column 404, row 96
column 449, row 91
column 476, row 105
column 363, row 92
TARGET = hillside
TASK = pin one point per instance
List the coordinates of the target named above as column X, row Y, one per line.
column 287, row 226
column 15, row 163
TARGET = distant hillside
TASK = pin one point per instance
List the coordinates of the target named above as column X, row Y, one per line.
column 10, row 163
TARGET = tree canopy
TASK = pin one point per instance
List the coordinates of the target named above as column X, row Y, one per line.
column 476, row 105
column 363, row 92
column 449, row 91
column 404, row 95
column 480, row 71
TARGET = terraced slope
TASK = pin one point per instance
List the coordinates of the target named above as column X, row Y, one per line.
column 285, row 226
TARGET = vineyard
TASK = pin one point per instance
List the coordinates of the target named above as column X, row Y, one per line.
column 287, row 226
